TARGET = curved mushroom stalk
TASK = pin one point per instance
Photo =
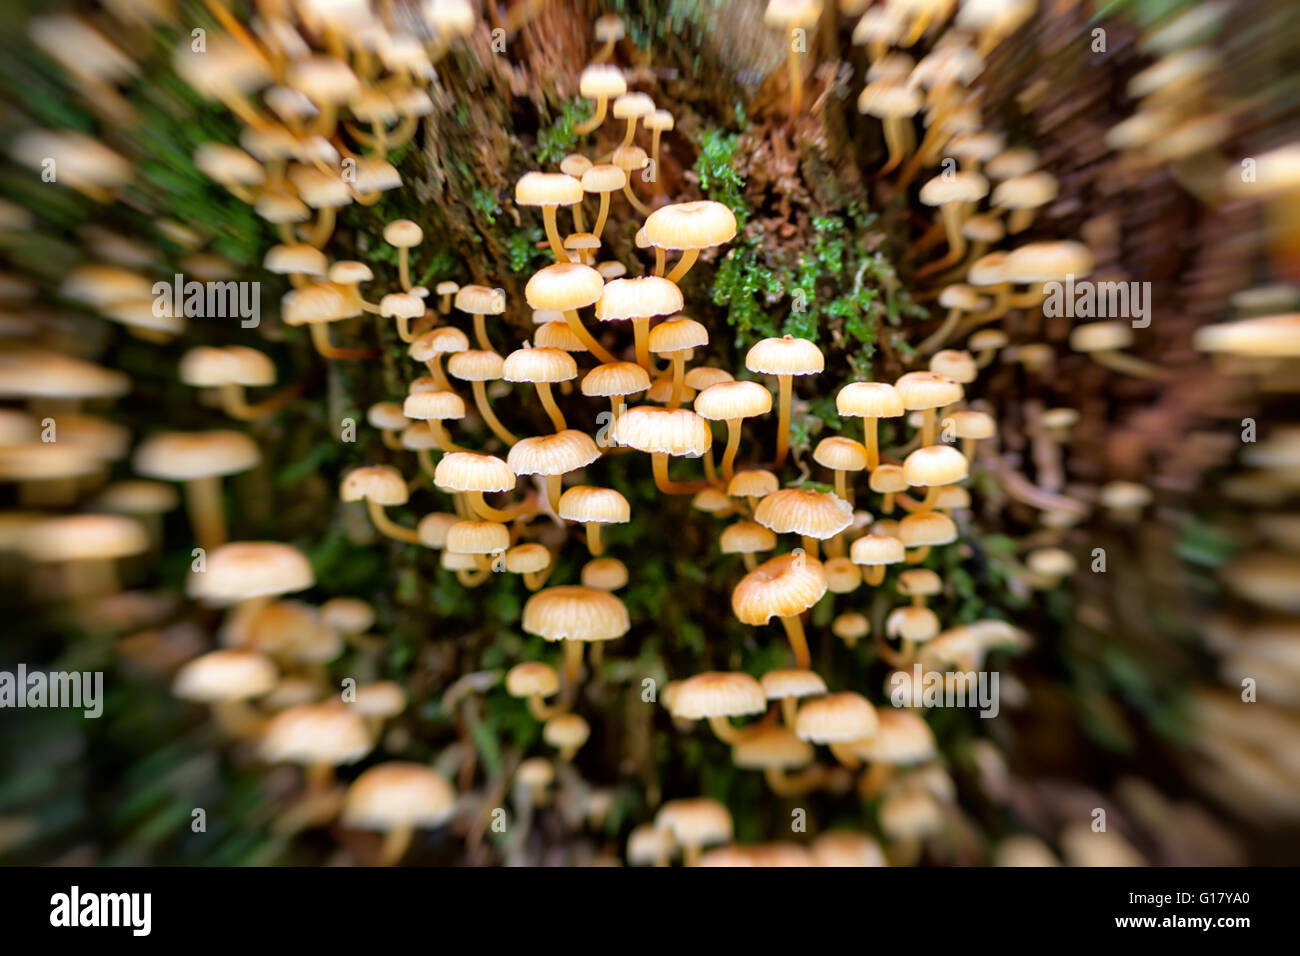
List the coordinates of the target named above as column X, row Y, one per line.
column 798, row 642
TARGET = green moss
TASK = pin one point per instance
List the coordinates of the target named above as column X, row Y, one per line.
column 556, row 141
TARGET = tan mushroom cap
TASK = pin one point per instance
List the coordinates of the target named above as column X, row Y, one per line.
column 1101, row 337
column 605, row 574
column 556, row 454
column 1037, row 262
column 539, row 365
column 889, row 99
column 611, row 269
column 295, row 258
column 839, row 454
column 604, row 178
column 477, row 537
column 785, row 356
column 638, row 298
column 575, row 164
column 387, row 415
column 381, row 698
column 615, row 378
column 842, row 575
column 935, row 465
column 695, row 821
column 921, row 390
column 575, row 613
column 547, row 189
column 982, row 227
column 956, row 364
column 909, row 814
column 249, row 569
column 401, row 305
column 647, row 844
column 476, row 365
column 528, row 558
column 1017, row 161
column 565, row 731
column 814, row 514
column 480, row 300
column 792, row 682
column 782, row 587
column 888, row 479
column 348, row 615
column 434, row 405
column 1270, row 335
column 727, row 401
column 138, row 497
column 912, row 623
column 313, row 734
column 663, row 431
column 846, row 849
column 433, row 529
column 931, row 528
column 382, row 484
column 702, row 376
column 84, row 537
column 182, row 456
column 963, row 187
column 1027, row 191
column 564, row 286
column 228, row 674
column 690, row 225
column 974, row 424
column 349, row 272
column 746, row 537
column 602, row 81
column 632, row 106
column 207, row 367
column 630, row 159
column 398, row 794
column 718, row 694
column 773, row 747
column 850, row 625
column 869, row 400
column 679, row 334
column 837, row 718
column 988, row 270
column 322, row 302
column 469, row 471
column 875, row 549
column 752, row 483
column 600, row 505
column 986, row 339
column 558, row 335
column 532, row 677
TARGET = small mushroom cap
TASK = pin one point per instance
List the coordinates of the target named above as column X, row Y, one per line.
column 600, row 505
column 772, row 747
column 982, row 227
column 582, row 242
column 248, row 569
column 912, row 623
column 476, row 365
column 557, row 335
column 630, row 159
column 539, row 365
column 535, row 772
column 556, row 454
column 575, row 614
column 575, row 164
column 838, row 454
column 931, row 528
column 610, row 270
column 952, row 497
column 602, row 81
column 1010, row 163
column 1038, row 262
column 988, row 270
column 963, row 187
column 921, row 390
column 702, row 376
column 138, row 497
column 648, row 844
column 972, row 424
column 792, row 682
column 564, row 286
column 842, row 575
column 605, row 574
column 1101, row 337
column 746, row 537
column 987, row 339
column 663, row 431
column 718, row 694
column 909, row 814
column 814, row 514
column 348, row 272
column 661, row 120
column 875, row 549
column 480, row 300
column 527, row 558
column 696, row 821
column 785, row 356
column 712, row 501
column 1051, row 562
column 979, row 145
column 477, row 537
column 401, row 305
column 935, row 465
column 382, row 698
column 728, row 401
column 433, row 529
column 547, row 189
column 433, row 406
column 348, row 615
column 869, row 400
column 398, row 794
column 837, row 718
column 1028, row 191
column 566, row 730
column 677, row 335
column 615, row 378
column 956, row 364
column 889, row 99
column 752, row 483
column 632, row 106
column 530, row 678
column 888, row 479
column 447, row 287
column 444, row 340
column 469, row 471
column 920, row 581
column 295, row 258
column 1270, row 335
column 311, row 734
column 902, row 737
column 638, row 298
column 690, row 225
column 851, row 626
column 604, row 178
column 845, row 848
column 783, row 587
column 184, row 456
column 228, row 674
column 382, row 484
column 322, row 302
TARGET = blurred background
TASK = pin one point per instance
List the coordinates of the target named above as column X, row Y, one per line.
column 1134, row 524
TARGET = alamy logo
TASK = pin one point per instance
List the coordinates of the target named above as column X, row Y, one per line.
column 922, row 688
column 79, row 690
column 1098, row 300
column 74, row 908
column 209, row 300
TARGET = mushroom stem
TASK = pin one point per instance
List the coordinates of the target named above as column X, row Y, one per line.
column 871, row 443
column 968, row 448
column 444, row 304
column 691, row 854
column 751, row 562
column 793, row 785
column 238, row 718
column 798, row 643
column 207, row 514
column 896, row 140
column 679, row 371
column 425, row 459
column 841, row 485
column 396, row 842
column 953, row 216
column 637, row 204
column 940, row 335
column 548, row 402
column 1020, row 219
column 323, row 228
column 480, row 333
column 641, row 335
column 594, row 543
column 931, row 499
column 404, row 329
column 234, row 401
column 535, row 580
column 661, row 260
column 842, row 752
column 473, row 579
column 927, row 427
column 574, row 322
column 434, row 365
column 441, row 436
column 320, row 337
column 390, row 439
column 783, row 420
column 602, row 216
column 540, row 710
column 723, row 730
column 1127, row 364
column 873, row 780
column 479, row 506
column 320, row 776
column 795, row 68
column 582, row 129
column 683, row 265
column 553, row 234
column 490, row 417
column 789, row 711
column 811, row 546
column 659, row 461
column 404, row 268
column 874, row 575
column 918, row 555
column 733, row 446
column 654, row 153
column 385, row 525
column 572, row 662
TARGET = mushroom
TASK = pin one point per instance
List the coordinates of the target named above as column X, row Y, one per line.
column 199, row 459
column 549, row 191
column 785, row 358
column 575, row 615
column 594, row 507
column 785, row 586
column 395, row 798
column 480, row 301
column 894, row 103
column 662, row 432
column 695, row 823
column 732, row 402
column 639, row 299
column 478, row 368
column 541, row 368
column 676, row 337
column 379, row 486
column 792, row 16
column 1104, row 342
column 567, row 287
column 552, row 457
column 599, row 82
column 716, row 696
column 689, row 227
column 837, row 720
